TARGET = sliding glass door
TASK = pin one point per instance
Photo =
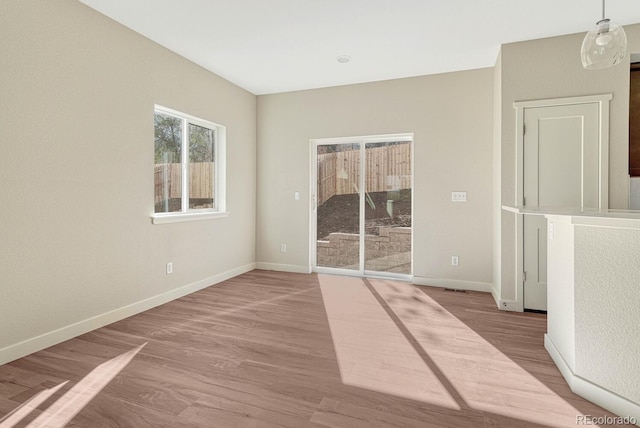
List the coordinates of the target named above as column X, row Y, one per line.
column 363, row 211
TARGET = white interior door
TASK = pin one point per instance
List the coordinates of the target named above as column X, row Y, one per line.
column 562, row 155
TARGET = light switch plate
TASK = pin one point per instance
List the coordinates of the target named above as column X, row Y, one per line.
column 459, row 196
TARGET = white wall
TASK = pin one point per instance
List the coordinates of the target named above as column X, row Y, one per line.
column 561, row 320
column 594, row 319
column 76, row 107
column 451, row 117
column 551, row 68
column 607, row 315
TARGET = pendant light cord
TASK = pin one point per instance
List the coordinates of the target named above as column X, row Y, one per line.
column 603, row 16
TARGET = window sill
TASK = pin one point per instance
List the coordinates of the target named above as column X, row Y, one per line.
column 180, row 217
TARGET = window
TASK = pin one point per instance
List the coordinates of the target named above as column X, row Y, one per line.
column 189, row 167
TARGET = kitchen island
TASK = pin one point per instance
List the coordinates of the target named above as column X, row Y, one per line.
column 593, row 303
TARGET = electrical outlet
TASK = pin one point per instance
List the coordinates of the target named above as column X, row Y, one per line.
column 296, row 196
column 169, row 268
column 283, row 248
column 454, row 260
column 458, row 196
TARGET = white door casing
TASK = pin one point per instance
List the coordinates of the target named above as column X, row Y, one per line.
column 562, row 162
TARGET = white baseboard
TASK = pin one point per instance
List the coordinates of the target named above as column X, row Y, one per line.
column 510, row 305
column 283, row 267
column 590, row 391
column 29, row 346
column 454, row 284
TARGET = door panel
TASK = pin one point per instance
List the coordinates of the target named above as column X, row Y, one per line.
column 559, row 162
column 387, row 207
column 338, row 211
column 561, row 169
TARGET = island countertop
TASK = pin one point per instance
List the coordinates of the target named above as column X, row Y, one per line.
column 584, row 216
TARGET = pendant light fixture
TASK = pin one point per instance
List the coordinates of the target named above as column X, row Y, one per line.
column 604, row 46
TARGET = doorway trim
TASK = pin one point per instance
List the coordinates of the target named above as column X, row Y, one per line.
column 313, row 174
column 602, row 100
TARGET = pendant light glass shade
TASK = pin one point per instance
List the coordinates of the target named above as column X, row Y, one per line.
column 604, row 46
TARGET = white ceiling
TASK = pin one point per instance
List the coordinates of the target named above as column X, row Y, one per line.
column 268, row 46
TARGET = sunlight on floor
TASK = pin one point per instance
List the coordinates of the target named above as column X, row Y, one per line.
column 13, row 418
column 66, row 407
column 391, row 337
column 372, row 353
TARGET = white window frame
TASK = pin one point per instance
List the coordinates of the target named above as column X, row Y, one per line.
column 219, row 179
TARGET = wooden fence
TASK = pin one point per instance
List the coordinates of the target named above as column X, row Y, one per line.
column 387, row 168
column 167, row 180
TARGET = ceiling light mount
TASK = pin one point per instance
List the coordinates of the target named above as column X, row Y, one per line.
column 343, row 59
column 605, row 45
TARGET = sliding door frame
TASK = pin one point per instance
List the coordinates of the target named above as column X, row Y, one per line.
column 313, row 189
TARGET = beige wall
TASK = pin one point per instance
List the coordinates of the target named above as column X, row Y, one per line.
column 451, row 117
column 551, row 68
column 76, row 108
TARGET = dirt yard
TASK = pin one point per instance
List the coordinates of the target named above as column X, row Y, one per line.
column 340, row 213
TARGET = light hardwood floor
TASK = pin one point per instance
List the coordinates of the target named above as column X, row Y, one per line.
column 268, row 349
